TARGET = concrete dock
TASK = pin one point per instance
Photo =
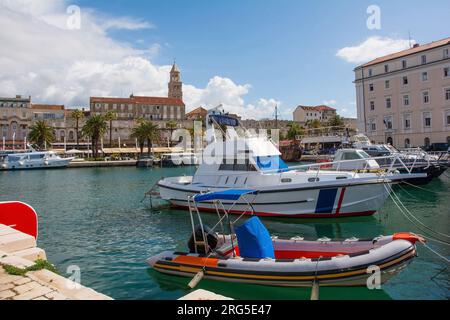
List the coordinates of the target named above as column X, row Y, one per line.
column 102, row 164
column 201, row 294
column 19, row 250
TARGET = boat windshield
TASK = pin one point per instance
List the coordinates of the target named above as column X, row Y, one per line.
column 271, row 163
column 364, row 154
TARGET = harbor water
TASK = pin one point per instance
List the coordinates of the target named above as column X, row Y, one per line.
column 94, row 219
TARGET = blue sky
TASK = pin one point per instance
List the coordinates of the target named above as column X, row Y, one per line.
column 283, row 50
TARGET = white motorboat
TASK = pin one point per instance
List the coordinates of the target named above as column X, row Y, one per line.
column 33, row 160
column 238, row 159
column 175, row 159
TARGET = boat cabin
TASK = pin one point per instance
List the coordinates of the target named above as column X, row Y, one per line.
column 354, row 154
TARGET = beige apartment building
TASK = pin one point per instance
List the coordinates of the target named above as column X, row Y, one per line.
column 323, row 113
column 404, row 98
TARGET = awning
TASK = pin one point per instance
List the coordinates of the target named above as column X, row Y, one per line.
column 231, row 194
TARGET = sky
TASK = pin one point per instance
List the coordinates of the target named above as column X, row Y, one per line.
column 248, row 55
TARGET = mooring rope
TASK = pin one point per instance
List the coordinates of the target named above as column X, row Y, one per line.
column 404, row 190
column 435, row 252
column 392, row 194
column 409, row 219
column 420, row 188
column 426, row 237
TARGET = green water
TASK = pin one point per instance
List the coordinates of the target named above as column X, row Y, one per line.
column 94, row 218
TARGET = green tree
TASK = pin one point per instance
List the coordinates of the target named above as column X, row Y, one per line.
column 148, row 132
column 77, row 115
column 295, row 130
column 336, row 121
column 138, row 134
column 171, row 126
column 95, row 127
column 110, row 116
column 41, row 134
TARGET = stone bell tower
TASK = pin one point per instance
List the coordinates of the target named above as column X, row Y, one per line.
column 175, row 84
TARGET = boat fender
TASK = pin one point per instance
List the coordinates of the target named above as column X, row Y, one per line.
column 411, row 237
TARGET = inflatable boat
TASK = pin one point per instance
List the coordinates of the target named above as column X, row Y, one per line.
column 250, row 255
column 298, row 262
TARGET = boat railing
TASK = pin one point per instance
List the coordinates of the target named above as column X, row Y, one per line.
column 321, row 165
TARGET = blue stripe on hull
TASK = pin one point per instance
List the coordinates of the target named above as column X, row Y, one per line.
column 325, row 202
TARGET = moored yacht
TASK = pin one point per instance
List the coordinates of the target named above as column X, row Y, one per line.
column 237, row 159
column 33, row 160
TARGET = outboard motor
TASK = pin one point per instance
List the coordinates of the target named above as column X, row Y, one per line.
column 211, row 240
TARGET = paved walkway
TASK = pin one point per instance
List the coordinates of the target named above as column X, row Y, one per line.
column 19, row 250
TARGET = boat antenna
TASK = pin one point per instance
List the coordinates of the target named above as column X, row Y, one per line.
column 276, row 116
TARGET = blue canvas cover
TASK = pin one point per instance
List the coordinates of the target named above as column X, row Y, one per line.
column 230, row 194
column 254, row 240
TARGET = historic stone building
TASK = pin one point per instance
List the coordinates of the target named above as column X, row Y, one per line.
column 15, row 118
column 404, row 98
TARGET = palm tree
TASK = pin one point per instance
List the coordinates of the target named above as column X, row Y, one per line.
column 110, row 116
column 295, row 130
column 171, row 126
column 77, row 115
column 148, row 132
column 138, row 134
column 95, row 127
column 41, row 134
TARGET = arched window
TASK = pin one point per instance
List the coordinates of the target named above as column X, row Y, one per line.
column 71, row 135
column 407, row 143
column 448, row 140
column 390, row 141
column 427, row 142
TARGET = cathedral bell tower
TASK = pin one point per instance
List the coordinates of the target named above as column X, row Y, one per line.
column 175, row 84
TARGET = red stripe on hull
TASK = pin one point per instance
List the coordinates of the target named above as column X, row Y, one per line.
column 341, row 198
column 286, row 254
column 295, row 215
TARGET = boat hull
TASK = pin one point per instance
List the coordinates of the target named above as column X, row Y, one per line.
column 54, row 164
column 345, row 269
column 326, row 202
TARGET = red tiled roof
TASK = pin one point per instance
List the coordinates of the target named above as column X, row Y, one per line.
column 199, row 110
column 317, row 108
column 47, row 106
column 407, row 52
column 158, row 100
column 139, row 100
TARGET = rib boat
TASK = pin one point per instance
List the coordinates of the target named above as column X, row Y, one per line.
column 236, row 158
column 248, row 254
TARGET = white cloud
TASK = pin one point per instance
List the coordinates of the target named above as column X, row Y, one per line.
column 40, row 57
column 372, row 48
column 126, row 23
column 329, row 102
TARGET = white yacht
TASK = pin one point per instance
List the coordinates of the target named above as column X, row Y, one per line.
column 33, row 160
column 238, row 159
column 179, row 159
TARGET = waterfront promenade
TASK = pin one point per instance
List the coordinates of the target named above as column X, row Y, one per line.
column 18, row 254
